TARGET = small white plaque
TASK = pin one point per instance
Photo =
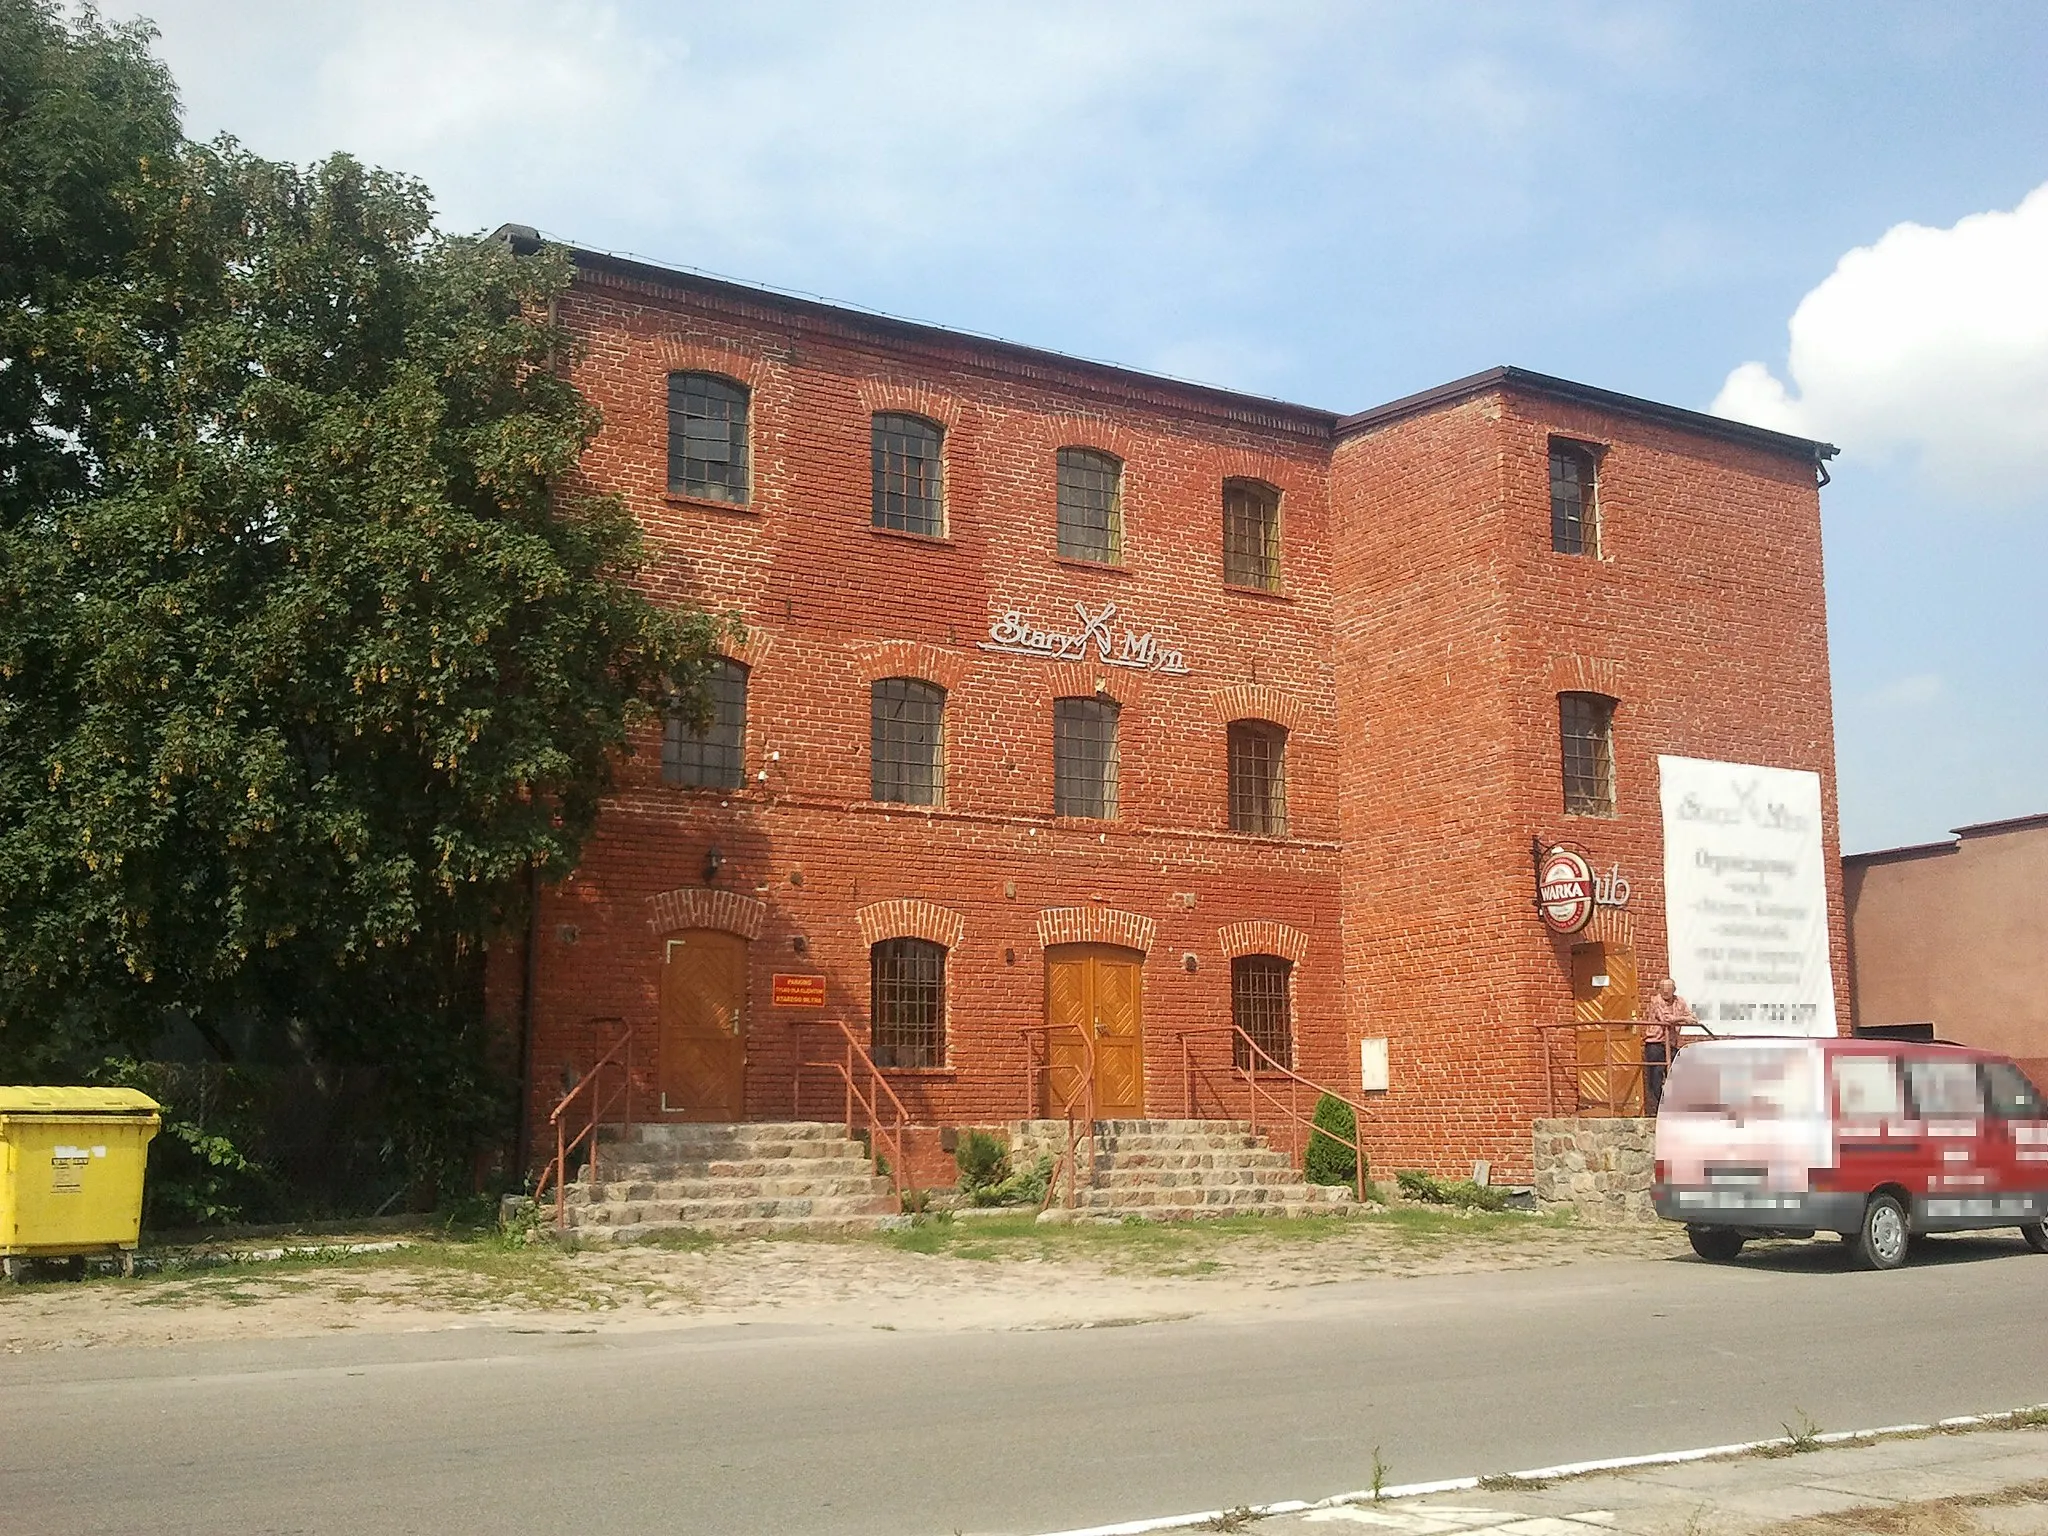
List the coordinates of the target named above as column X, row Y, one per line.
column 1372, row 1064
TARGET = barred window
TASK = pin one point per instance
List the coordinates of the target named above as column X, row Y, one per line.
column 1091, row 518
column 1574, row 502
column 707, row 436
column 1586, row 726
column 1084, row 757
column 1251, row 535
column 1258, row 777
column 908, row 1003
column 1259, row 1006
column 908, row 741
column 714, row 758
column 907, row 485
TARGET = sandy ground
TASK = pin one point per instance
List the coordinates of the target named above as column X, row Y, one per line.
column 1002, row 1275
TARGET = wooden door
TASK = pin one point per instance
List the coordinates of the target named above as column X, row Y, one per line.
column 704, row 1025
column 1098, row 989
column 1604, row 993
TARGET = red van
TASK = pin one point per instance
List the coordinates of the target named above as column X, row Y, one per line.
column 1879, row 1140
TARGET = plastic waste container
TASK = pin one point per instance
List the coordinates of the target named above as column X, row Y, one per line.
column 71, row 1166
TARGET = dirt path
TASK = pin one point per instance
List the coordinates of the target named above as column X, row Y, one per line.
column 998, row 1274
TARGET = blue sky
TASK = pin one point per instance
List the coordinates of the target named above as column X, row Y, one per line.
column 1339, row 204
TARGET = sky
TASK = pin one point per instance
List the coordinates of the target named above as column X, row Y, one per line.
column 1830, row 218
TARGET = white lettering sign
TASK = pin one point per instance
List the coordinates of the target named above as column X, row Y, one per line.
column 1745, row 897
column 1014, row 635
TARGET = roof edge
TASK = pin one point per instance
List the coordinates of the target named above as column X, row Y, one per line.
column 2004, row 824
column 525, row 240
column 1507, row 377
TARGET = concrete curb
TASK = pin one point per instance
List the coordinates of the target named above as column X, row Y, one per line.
column 2008, row 1418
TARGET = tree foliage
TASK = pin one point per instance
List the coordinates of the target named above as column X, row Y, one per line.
column 310, row 646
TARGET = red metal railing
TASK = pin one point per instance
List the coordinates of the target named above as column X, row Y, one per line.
column 1604, row 1073
column 595, row 1102
column 1255, row 1074
column 1076, row 1106
column 866, row 1090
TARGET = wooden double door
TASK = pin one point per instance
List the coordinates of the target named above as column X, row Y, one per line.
column 1605, row 997
column 1099, row 989
column 704, row 1025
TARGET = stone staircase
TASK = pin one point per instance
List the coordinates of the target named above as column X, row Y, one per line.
column 735, row 1180
column 1173, row 1170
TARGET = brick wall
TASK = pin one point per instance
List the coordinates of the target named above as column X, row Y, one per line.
column 1415, row 651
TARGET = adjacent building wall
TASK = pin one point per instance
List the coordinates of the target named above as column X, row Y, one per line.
column 1956, row 934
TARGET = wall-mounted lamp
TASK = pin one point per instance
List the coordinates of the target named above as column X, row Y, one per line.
column 714, row 861
column 800, row 944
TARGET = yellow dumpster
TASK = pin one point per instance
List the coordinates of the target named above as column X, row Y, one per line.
column 71, row 1179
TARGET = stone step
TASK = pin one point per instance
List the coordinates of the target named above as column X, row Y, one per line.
column 725, row 1189
column 1293, row 1210
column 1195, row 1178
column 612, row 1169
column 1177, row 1142
column 1229, row 1157
column 743, row 1226
column 749, row 1132
column 1173, row 1127
column 1148, row 1195
column 698, row 1213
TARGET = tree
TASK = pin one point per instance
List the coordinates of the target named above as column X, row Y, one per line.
column 316, row 647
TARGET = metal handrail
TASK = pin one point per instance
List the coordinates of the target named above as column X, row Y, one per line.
column 1262, row 1063
column 1621, row 1054
column 1080, row 1127
column 870, row 1100
column 620, row 1056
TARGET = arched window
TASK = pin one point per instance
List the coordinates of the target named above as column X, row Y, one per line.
column 1084, row 757
column 907, row 739
column 1261, row 1007
column 715, row 757
column 707, row 437
column 1091, row 515
column 908, row 1003
column 1251, row 535
column 908, row 488
column 1585, row 728
column 1258, row 777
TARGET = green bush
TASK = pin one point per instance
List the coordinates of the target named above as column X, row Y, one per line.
column 1328, row 1160
column 1417, row 1185
column 982, row 1160
column 1027, row 1186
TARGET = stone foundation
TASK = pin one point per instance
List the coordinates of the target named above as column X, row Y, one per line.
column 1600, row 1169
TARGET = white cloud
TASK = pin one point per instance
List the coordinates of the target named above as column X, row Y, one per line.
column 1931, row 345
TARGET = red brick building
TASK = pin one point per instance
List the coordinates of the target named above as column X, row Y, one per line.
column 1071, row 692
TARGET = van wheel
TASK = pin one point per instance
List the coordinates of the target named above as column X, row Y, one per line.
column 1884, row 1238
column 1717, row 1244
column 2036, row 1234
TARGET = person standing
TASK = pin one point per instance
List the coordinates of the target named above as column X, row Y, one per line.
column 1669, row 1014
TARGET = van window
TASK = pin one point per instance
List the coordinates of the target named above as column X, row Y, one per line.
column 1867, row 1087
column 1764, row 1083
column 1945, row 1089
column 2012, row 1096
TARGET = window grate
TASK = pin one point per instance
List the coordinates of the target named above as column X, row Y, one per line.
column 1586, row 727
column 1258, row 777
column 908, row 741
column 907, row 475
column 1574, row 503
column 1259, row 1006
column 714, row 758
column 707, row 437
column 1084, row 758
column 909, row 1003
column 1251, row 535
column 1091, row 522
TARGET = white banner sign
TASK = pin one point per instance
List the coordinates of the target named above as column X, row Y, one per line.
column 1745, row 897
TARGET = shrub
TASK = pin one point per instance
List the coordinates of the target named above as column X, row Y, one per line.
column 1027, row 1186
column 1417, row 1185
column 983, row 1162
column 1328, row 1160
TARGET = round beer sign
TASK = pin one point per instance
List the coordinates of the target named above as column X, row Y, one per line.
column 1564, row 890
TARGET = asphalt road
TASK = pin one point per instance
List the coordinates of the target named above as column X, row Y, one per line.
column 864, row 1432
